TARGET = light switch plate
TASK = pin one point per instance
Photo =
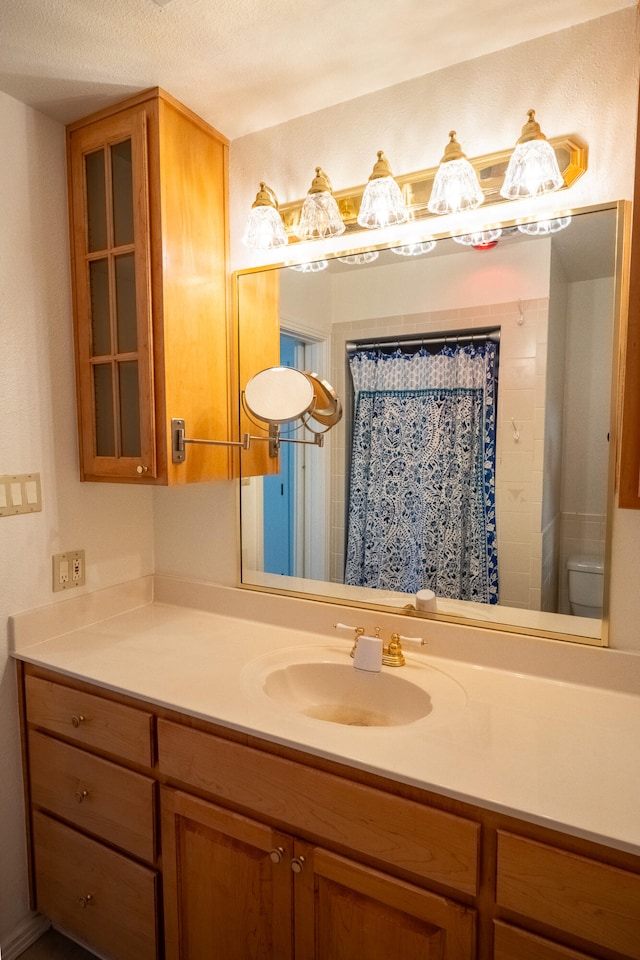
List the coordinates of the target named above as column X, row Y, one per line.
column 20, row 493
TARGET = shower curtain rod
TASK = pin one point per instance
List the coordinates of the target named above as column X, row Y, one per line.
column 412, row 340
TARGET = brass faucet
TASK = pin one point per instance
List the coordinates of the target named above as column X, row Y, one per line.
column 392, row 655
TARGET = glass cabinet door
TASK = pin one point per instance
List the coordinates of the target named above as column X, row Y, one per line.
column 114, row 342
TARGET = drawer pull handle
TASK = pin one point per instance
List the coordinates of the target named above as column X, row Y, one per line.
column 81, row 795
column 276, row 855
column 86, row 901
column 297, row 864
column 77, row 719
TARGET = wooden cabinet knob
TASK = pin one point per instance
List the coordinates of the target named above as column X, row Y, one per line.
column 86, row 901
column 81, row 795
column 77, row 719
column 297, row 864
column 142, row 469
column 276, row 855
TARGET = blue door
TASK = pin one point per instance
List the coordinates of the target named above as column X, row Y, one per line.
column 279, row 491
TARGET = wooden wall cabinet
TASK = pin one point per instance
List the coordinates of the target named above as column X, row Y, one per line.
column 266, row 854
column 149, row 238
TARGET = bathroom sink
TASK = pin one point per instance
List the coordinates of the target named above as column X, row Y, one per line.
column 321, row 683
column 340, row 694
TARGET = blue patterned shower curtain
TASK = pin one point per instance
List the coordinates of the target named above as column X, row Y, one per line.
column 422, row 487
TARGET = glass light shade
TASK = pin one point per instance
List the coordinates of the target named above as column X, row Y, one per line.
column 533, row 168
column 544, row 227
column 264, row 229
column 320, row 215
column 414, row 249
column 479, row 238
column 382, row 204
column 455, row 188
column 357, row 259
column 314, row 266
column 382, row 201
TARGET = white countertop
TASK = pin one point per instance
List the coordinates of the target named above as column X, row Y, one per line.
column 563, row 755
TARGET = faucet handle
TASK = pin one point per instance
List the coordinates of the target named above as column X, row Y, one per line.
column 345, row 626
column 419, row 640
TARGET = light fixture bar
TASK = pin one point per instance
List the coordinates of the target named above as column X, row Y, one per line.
column 416, row 187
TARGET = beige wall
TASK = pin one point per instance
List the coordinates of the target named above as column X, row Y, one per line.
column 113, row 523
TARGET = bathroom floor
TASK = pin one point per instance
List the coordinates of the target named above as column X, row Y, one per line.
column 53, row 946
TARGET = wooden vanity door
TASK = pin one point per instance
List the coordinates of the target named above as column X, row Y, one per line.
column 345, row 910
column 227, row 884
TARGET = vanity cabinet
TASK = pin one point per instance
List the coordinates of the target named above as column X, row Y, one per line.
column 93, row 830
column 235, row 888
column 148, row 228
column 262, row 852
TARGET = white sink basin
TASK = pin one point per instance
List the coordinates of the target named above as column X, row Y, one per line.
column 322, row 684
column 340, row 694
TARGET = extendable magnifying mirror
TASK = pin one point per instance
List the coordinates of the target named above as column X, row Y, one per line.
column 275, row 396
column 279, row 395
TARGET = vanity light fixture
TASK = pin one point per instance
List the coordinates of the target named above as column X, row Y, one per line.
column 358, row 259
column 533, row 168
column 320, row 215
column 414, row 249
column 313, row 266
column 480, row 238
column 264, row 229
column 544, row 227
column 382, row 202
column 456, row 187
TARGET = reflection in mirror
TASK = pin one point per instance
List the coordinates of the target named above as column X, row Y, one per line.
column 538, row 492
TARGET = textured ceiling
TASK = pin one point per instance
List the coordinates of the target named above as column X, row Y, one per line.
column 245, row 65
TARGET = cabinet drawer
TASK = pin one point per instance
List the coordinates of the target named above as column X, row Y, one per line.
column 400, row 833
column 510, row 943
column 592, row 900
column 97, row 795
column 90, row 720
column 100, row 897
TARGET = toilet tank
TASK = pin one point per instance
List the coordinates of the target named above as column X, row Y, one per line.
column 586, row 585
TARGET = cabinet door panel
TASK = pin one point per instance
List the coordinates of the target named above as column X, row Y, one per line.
column 225, row 898
column 110, row 209
column 345, row 910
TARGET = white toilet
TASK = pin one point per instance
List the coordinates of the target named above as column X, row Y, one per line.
column 586, row 585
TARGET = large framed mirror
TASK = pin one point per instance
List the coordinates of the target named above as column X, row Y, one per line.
column 549, row 297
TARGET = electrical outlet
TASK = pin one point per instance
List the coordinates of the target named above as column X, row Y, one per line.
column 68, row 570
